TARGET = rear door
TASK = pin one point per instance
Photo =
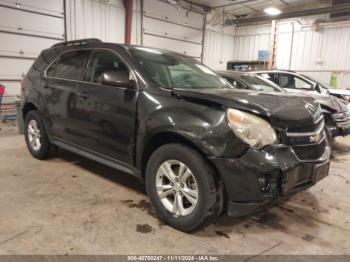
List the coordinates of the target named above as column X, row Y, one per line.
column 61, row 81
column 107, row 114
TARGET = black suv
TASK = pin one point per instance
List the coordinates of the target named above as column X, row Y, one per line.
column 201, row 146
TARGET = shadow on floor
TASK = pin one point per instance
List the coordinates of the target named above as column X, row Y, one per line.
column 277, row 217
column 104, row 171
column 302, row 209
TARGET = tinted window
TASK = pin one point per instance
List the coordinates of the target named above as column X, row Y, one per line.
column 106, row 62
column 169, row 70
column 69, row 66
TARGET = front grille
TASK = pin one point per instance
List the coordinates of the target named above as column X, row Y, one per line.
column 308, row 144
column 311, row 151
column 299, row 140
column 309, row 128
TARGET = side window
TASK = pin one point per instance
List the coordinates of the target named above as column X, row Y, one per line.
column 301, row 84
column 294, row 82
column 105, row 63
column 69, row 66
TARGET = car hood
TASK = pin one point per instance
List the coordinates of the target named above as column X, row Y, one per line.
column 282, row 110
column 342, row 92
column 328, row 101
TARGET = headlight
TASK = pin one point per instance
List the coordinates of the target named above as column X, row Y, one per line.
column 253, row 130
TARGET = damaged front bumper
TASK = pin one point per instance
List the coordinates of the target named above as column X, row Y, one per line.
column 341, row 124
column 260, row 177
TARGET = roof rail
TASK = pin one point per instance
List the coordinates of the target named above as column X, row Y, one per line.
column 78, row 42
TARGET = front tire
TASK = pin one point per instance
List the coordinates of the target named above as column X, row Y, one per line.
column 182, row 187
column 36, row 137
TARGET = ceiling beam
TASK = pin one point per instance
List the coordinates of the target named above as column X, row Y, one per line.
column 263, row 18
column 199, row 5
column 234, row 3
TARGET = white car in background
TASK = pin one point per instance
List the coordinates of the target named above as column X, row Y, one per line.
column 334, row 102
column 294, row 82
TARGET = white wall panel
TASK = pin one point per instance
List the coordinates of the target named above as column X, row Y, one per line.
column 103, row 19
column 14, row 68
column 162, row 28
column 189, row 49
column 247, row 46
column 325, row 50
column 26, row 28
column 52, row 7
column 12, row 89
column 30, row 23
column 167, row 27
column 218, row 49
column 162, row 10
column 24, row 46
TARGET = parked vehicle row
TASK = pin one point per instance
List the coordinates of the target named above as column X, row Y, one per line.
column 202, row 146
column 336, row 110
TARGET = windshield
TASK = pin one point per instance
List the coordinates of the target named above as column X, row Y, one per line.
column 171, row 70
column 260, row 84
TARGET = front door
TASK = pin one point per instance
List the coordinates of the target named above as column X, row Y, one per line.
column 107, row 114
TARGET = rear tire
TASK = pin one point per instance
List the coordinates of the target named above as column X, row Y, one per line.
column 36, row 137
column 194, row 188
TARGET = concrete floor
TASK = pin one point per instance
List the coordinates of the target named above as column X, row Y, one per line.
column 70, row 205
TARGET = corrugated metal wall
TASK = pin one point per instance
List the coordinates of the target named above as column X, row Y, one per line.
column 317, row 53
column 103, row 19
column 248, row 40
column 164, row 26
column 218, row 49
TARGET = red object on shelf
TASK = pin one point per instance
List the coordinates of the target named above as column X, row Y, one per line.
column 2, row 90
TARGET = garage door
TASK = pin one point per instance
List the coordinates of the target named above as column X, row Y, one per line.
column 26, row 27
column 165, row 26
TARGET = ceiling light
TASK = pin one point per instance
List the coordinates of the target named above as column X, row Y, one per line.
column 272, row 11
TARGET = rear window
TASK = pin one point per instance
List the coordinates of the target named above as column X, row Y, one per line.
column 69, row 66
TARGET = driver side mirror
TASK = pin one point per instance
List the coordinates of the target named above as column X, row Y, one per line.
column 118, row 79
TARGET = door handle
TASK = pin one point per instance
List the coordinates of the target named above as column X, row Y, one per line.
column 83, row 95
